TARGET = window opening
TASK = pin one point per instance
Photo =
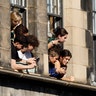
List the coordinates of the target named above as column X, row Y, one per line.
column 19, row 5
column 54, row 10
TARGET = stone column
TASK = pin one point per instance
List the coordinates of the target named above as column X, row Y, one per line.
column 5, row 33
column 79, row 40
column 37, row 24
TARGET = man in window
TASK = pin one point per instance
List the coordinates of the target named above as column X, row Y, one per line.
column 19, row 43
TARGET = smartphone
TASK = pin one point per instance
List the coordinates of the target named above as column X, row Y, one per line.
column 37, row 59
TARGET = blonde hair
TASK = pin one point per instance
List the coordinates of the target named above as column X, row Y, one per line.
column 53, row 52
column 16, row 16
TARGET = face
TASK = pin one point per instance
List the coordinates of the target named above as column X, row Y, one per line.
column 16, row 22
column 53, row 59
column 65, row 60
column 63, row 70
column 63, row 38
column 18, row 45
column 24, row 49
column 30, row 47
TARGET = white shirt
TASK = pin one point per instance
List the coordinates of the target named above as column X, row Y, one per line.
column 25, row 56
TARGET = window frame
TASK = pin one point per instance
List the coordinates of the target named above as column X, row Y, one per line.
column 21, row 8
column 54, row 19
column 94, row 38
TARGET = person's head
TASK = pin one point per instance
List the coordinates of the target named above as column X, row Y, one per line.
column 53, row 55
column 20, row 42
column 24, row 49
column 16, row 18
column 21, row 30
column 61, row 34
column 65, row 56
column 64, row 67
column 33, row 42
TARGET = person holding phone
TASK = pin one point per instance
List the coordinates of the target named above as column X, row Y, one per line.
column 19, row 43
column 26, row 54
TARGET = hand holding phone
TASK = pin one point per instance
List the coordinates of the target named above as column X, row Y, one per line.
column 37, row 59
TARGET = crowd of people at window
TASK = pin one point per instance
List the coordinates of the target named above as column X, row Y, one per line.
column 58, row 57
column 22, row 45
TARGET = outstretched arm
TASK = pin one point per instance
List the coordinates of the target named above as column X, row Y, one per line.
column 71, row 78
column 52, row 43
column 20, row 66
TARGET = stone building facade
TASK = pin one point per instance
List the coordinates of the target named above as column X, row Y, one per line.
column 76, row 19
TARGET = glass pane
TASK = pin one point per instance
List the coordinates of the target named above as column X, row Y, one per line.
column 94, row 16
column 94, row 22
column 93, row 5
column 59, row 7
column 54, row 6
column 48, row 6
column 53, row 22
column 21, row 3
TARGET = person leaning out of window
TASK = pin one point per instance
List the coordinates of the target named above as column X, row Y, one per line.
column 24, row 54
column 18, row 43
column 16, row 20
column 59, row 36
column 64, row 58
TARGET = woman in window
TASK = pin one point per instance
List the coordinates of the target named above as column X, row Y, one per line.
column 59, row 36
column 16, row 20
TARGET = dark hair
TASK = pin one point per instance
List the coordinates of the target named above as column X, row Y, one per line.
column 53, row 52
column 20, row 30
column 60, row 31
column 64, row 66
column 21, row 39
column 65, row 53
column 32, row 40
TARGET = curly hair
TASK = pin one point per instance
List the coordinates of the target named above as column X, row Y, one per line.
column 33, row 40
column 53, row 52
column 20, row 30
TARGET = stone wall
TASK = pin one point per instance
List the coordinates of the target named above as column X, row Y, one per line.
column 79, row 40
column 4, row 33
column 37, row 24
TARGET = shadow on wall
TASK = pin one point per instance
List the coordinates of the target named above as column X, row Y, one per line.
column 89, row 45
column 86, row 5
